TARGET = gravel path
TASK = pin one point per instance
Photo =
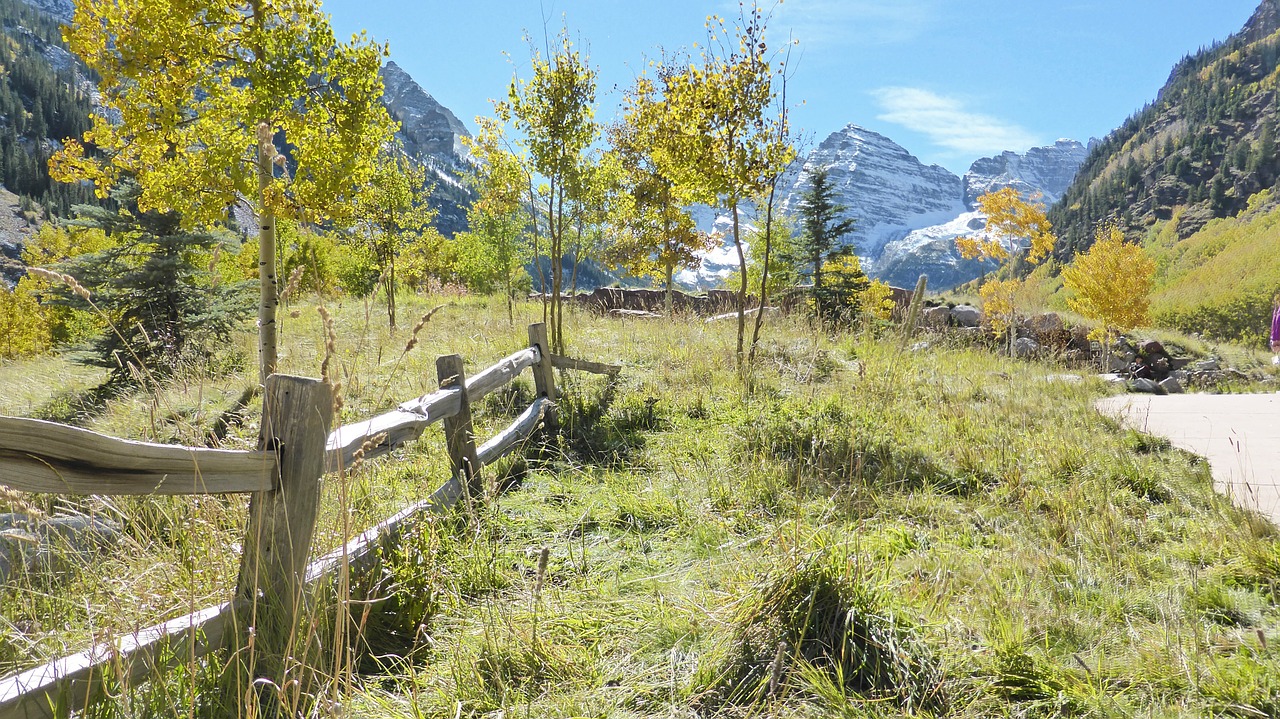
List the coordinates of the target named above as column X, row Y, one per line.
column 1238, row 433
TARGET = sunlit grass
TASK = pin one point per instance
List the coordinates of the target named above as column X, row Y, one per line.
column 1021, row 554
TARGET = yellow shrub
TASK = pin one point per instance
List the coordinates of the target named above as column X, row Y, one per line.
column 24, row 327
column 1111, row 283
column 877, row 300
column 998, row 303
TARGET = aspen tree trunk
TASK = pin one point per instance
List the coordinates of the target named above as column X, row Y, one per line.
column 557, row 277
column 268, row 297
column 671, row 268
column 537, row 254
column 764, row 277
column 742, row 289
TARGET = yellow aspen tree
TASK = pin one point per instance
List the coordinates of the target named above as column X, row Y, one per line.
column 1013, row 224
column 391, row 213
column 555, row 109
column 654, row 234
column 495, row 248
column 24, row 329
column 1111, row 284
column 197, row 95
column 735, row 138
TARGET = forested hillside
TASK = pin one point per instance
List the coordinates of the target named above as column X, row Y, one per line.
column 1206, row 144
column 42, row 101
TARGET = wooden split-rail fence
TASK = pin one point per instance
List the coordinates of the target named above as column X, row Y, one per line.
column 284, row 481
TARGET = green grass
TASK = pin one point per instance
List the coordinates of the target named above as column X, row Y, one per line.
column 1221, row 280
column 930, row 533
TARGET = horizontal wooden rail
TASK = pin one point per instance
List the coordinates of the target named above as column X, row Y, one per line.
column 407, row 422
column 362, row 550
column 73, row 682
column 38, row 456
column 560, row 362
column 519, row 430
column 403, row 424
column 500, row 374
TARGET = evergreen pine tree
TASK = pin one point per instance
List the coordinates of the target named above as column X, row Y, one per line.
column 823, row 228
column 152, row 284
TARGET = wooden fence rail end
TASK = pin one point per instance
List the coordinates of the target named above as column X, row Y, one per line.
column 561, row 362
column 519, row 430
column 74, row 681
column 39, row 456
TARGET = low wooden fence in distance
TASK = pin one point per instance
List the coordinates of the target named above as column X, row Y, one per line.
column 284, row 481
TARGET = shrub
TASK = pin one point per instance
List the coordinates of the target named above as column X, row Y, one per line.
column 831, row 618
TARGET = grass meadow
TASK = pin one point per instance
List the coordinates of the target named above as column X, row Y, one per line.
column 855, row 530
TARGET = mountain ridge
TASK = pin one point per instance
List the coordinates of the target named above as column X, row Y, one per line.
column 1205, row 144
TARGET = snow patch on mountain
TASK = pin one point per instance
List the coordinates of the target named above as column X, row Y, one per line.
column 908, row 214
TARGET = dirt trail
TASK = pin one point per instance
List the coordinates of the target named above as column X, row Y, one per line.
column 1238, row 433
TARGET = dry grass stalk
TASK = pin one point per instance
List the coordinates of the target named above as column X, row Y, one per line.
column 61, row 278
column 330, row 351
column 291, row 287
column 413, row 336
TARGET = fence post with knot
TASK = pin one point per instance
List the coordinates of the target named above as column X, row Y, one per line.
column 296, row 415
column 544, row 376
column 458, row 435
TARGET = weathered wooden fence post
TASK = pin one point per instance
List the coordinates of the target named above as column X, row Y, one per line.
column 544, row 376
column 913, row 311
column 458, row 436
column 296, row 414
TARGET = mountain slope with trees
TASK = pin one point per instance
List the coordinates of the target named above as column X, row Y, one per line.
column 43, row 98
column 1205, row 145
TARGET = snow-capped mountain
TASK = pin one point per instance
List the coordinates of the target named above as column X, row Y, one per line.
column 907, row 214
column 1044, row 170
column 431, row 134
column 887, row 191
column 1041, row 173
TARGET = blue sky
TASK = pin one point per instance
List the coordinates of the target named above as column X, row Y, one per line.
column 950, row 80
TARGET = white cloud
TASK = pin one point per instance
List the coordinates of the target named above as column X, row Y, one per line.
column 948, row 124
column 818, row 23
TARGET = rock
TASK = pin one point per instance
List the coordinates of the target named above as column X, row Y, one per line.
column 1117, row 364
column 18, row 549
column 1126, row 350
column 82, row 537
column 1026, row 347
column 1171, row 386
column 1080, row 339
column 638, row 314
column 920, row 346
column 1067, row 378
column 1151, row 348
column 1209, row 365
column 966, row 316
column 936, row 318
column 1147, row 386
column 1044, row 324
column 734, row 315
column 1112, row 377
column 52, row 545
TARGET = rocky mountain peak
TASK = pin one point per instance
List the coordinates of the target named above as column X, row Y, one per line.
column 426, row 126
column 1047, row 171
column 1264, row 22
column 885, row 187
column 60, row 10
